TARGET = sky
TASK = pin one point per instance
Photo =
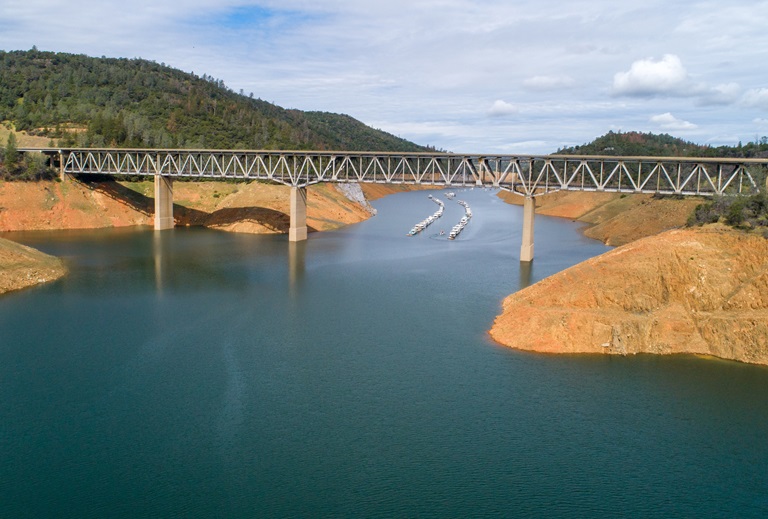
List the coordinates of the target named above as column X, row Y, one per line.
column 467, row 76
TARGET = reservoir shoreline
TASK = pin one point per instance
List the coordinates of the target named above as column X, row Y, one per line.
column 588, row 322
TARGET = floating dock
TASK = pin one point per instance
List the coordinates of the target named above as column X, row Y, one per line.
column 456, row 230
column 430, row 219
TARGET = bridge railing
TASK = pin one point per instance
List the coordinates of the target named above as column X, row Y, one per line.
column 529, row 175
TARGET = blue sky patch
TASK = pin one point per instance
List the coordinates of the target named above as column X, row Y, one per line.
column 251, row 17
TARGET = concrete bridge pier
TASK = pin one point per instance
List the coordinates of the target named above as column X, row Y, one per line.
column 163, row 203
column 298, row 229
column 526, row 249
column 482, row 171
column 62, row 174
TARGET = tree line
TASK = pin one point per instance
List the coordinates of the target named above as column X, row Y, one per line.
column 82, row 101
column 640, row 144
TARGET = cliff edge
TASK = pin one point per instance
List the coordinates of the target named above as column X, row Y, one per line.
column 701, row 291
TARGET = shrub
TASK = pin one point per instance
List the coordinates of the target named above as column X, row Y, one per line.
column 735, row 214
column 739, row 211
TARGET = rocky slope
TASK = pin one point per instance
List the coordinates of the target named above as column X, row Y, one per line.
column 22, row 266
column 701, row 291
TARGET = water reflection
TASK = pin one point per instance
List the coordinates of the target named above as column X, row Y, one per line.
column 157, row 253
column 526, row 274
column 297, row 256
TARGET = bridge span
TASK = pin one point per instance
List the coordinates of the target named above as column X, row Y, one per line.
column 529, row 176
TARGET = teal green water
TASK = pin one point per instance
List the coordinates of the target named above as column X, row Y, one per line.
column 206, row 374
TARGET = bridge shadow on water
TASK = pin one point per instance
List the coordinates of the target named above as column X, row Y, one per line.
column 271, row 219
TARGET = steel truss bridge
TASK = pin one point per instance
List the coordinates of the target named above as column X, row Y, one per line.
column 527, row 175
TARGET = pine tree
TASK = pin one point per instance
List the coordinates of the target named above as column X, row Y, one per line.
column 11, row 152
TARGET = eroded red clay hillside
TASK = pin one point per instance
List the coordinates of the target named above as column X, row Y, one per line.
column 702, row 291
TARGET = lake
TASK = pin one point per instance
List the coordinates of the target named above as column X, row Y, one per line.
column 200, row 373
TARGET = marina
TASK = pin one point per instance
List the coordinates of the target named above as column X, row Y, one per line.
column 456, row 230
column 429, row 220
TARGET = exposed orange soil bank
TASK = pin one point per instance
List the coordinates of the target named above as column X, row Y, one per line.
column 701, row 291
column 253, row 207
column 22, row 266
column 614, row 219
column 33, row 206
column 376, row 191
column 237, row 207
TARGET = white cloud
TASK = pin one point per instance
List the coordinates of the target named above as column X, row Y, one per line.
column 523, row 147
column 756, row 98
column 647, row 77
column 667, row 121
column 548, row 82
column 501, row 108
column 428, row 70
column 724, row 94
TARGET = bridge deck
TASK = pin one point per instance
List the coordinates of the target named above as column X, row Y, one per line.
column 527, row 175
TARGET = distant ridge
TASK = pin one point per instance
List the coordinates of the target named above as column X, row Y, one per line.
column 655, row 145
column 78, row 100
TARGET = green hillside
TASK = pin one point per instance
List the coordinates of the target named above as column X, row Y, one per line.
column 82, row 101
column 654, row 145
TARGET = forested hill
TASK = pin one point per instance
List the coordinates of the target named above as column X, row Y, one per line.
column 82, row 101
column 653, row 145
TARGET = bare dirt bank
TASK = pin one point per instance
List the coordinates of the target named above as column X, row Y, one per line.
column 238, row 207
column 241, row 207
column 376, row 191
column 701, row 291
column 22, row 266
column 613, row 218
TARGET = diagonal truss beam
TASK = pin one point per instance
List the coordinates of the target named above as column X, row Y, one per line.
column 530, row 175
